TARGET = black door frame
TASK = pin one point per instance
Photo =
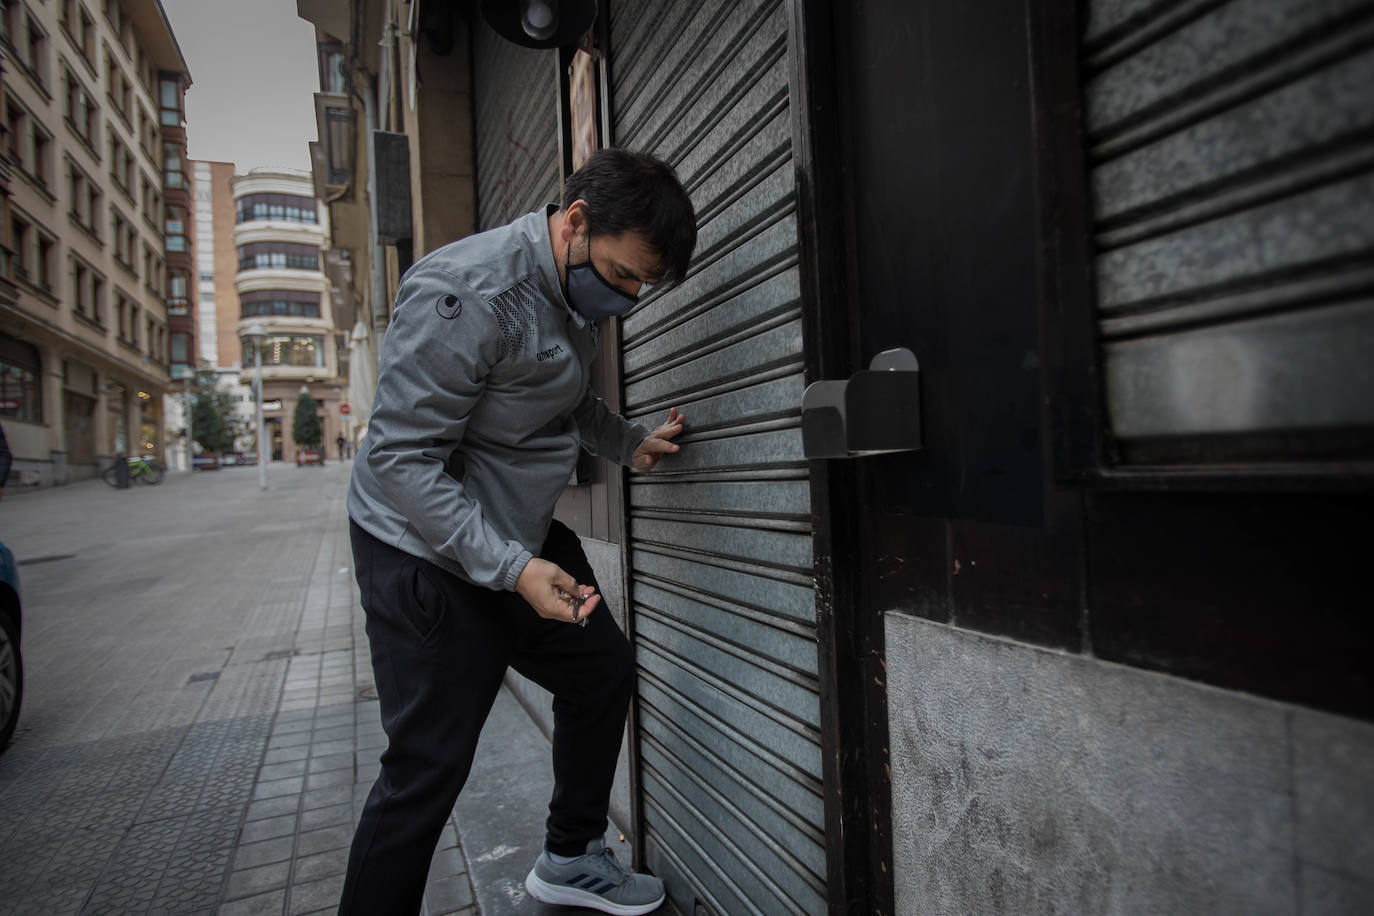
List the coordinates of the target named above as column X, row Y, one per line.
column 851, row 647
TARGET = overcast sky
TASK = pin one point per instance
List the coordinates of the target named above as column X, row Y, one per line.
column 253, row 75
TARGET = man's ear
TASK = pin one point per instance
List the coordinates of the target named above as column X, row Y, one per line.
column 574, row 220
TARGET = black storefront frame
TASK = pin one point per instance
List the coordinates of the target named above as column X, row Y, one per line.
column 851, row 641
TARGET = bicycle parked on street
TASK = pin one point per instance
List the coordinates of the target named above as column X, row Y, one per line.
column 142, row 469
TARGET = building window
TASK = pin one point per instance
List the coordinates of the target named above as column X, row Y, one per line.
column 88, row 292
column 170, row 96
column 117, row 88
column 175, row 229
column 276, row 302
column 79, row 26
column 76, row 192
column 124, row 239
column 81, row 289
column 289, row 207
column 20, row 232
column 287, row 350
column 15, row 121
column 116, row 162
column 21, row 393
column 339, row 137
column 43, row 267
column 172, row 176
column 33, row 48
column 179, row 348
column 334, row 70
column 281, row 255
column 41, row 147
column 93, row 196
column 152, row 202
column 177, row 302
column 80, row 110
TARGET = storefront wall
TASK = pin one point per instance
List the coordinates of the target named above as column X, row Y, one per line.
column 1111, row 680
column 90, row 408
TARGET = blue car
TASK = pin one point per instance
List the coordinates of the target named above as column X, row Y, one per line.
column 11, row 664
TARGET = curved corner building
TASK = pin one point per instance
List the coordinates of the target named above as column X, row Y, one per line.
column 280, row 284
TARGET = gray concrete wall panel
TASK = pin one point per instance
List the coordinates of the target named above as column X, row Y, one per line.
column 1334, row 808
column 1031, row 781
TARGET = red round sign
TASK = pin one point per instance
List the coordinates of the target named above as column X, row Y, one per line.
column 344, row 409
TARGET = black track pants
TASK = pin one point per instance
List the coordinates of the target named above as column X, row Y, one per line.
column 440, row 648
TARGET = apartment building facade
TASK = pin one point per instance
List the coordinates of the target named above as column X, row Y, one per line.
column 97, row 238
column 285, row 316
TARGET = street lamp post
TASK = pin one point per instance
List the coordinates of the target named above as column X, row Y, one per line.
column 190, row 430
column 256, row 332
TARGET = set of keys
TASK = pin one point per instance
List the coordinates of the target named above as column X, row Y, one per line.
column 576, row 601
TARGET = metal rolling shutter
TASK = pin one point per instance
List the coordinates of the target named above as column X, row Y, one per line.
column 515, row 96
column 720, row 542
column 1232, row 152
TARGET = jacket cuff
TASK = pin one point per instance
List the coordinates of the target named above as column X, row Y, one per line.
column 638, row 433
column 517, row 566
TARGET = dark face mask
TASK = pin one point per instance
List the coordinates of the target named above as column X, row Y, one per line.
column 591, row 294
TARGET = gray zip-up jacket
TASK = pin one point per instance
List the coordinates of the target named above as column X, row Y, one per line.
column 482, row 405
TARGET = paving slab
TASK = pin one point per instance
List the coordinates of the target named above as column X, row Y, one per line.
column 200, row 727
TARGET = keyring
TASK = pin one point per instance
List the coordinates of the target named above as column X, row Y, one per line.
column 577, row 603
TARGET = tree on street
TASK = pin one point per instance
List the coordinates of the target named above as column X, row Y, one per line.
column 214, row 422
column 305, row 427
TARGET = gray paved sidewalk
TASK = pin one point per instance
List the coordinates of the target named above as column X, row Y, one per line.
column 199, row 727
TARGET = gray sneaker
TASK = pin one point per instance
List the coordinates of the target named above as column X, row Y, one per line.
column 596, row 881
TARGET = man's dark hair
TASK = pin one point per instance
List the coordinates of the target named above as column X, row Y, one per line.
column 626, row 191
